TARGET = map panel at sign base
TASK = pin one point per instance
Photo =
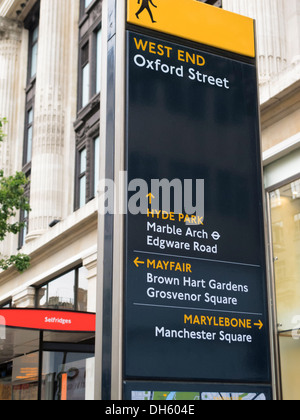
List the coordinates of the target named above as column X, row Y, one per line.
column 139, row 391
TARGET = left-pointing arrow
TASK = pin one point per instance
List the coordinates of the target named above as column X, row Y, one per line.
column 137, row 262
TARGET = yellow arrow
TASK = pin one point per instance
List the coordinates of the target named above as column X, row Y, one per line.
column 150, row 196
column 260, row 325
column 137, row 262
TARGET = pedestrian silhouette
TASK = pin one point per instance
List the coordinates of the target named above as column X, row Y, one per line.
column 146, row 5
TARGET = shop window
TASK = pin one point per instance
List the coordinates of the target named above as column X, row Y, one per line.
column 295, row 189
column 25, row 378
column 67, row 292
column 47, row 366
column 5, row 382
column 67, row 376
column 285, row 218
column 297, row 225
column 275, row 198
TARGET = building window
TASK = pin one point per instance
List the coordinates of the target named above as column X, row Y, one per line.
column 85, row 77
column 82, row 177
column 6, row 305
column 33, row 51
column 32, row 24
column 28, row 136
column 84, row 6
column 90, row 69
column 67, row 292
column 96, row 169
column 88, row 103
column 216, row 3
column 89, row 83
column 87, row 163
column 87, row 3
column 98, row 59
column 24, row 231
column 297, row 225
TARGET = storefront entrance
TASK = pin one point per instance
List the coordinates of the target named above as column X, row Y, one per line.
column 38, row 364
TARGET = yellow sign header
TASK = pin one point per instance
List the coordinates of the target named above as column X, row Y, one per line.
column 195, row 21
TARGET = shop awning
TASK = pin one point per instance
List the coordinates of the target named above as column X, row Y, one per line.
column 48, row 320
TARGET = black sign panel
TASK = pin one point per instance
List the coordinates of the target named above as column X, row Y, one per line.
column 195, row 293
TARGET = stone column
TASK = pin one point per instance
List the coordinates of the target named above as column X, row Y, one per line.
column 10, row 44
column 54, row 66
column 271, row 33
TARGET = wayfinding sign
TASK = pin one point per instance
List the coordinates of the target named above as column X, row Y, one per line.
column 195, row 288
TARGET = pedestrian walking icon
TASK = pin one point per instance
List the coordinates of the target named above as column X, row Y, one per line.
column 146, row 5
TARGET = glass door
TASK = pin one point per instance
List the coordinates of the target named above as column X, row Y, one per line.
column 285, row 219
column 66, row 376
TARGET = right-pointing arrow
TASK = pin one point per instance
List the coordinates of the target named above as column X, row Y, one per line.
column 260, row 325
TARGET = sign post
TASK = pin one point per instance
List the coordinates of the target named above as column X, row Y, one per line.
column 195, row 304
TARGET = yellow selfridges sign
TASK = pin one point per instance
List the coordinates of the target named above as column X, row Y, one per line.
column 195, row 21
